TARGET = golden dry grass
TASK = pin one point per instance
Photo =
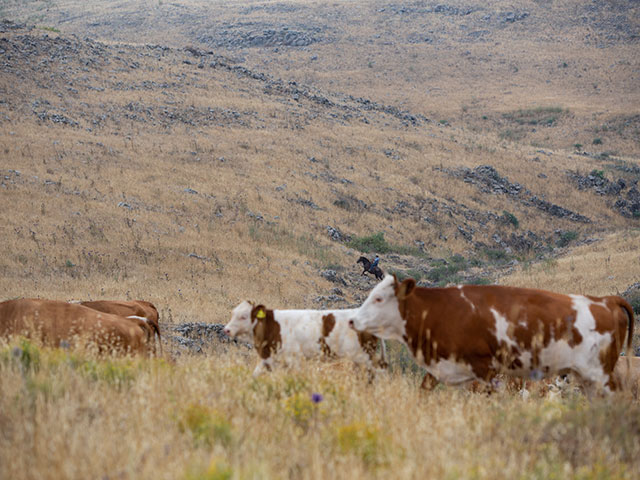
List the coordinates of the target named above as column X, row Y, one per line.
column 68, row 415
column 606, row 267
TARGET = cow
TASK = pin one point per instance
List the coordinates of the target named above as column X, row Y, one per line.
column 56, row 323
column 474, row 332
column 140, row 309
column 302, row 333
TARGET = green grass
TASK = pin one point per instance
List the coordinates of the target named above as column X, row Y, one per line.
column 446, row 271
column 543, row 116
column 376, row 243
column 566, row 238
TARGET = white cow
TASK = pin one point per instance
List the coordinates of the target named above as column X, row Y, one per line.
column 302, row 333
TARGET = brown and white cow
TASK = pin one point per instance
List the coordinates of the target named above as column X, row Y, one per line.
column 293, row 334
column 54, row 323
column 474, row 332
column 140, row 309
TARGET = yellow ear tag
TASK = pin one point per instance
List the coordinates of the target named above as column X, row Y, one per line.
column 261, row 314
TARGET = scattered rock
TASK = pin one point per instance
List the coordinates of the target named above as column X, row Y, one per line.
column 337, row 235
column 196, row 337
column 332, row 276
column 199, row 257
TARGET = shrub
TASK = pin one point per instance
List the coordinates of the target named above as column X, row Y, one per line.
column 597, row 141
column 496, row 255
column 566, row 238
column 371, row 243
column 597, row 173
column 509, row 219
column 535, row 116
column 446, row 271
column 415, row 274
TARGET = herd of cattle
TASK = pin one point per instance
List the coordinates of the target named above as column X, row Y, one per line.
column 459, row 334
column 109, row 326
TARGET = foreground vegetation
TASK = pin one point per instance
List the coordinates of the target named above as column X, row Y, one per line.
column 70, row 415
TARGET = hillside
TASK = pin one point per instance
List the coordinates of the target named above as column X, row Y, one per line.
column 174, row 152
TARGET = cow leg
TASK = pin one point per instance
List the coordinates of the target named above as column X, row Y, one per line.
column 429, row 382
column 263, row 365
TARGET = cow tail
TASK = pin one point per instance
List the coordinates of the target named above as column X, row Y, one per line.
column 156, row 332
column 627, row 308
column 629, row 311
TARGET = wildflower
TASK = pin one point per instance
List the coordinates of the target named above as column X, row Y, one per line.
column 316, row 397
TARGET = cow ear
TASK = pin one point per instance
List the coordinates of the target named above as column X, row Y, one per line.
column 405, row 288
column 258, row 313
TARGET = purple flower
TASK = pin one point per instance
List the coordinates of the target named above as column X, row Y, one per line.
column 316, row 397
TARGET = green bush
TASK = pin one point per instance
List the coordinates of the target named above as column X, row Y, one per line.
column 509, row 219
column 415, row 274
column 535, row 116
column 372, row 243
column 400, row 275
column 496, row 255
column 445, row 272
column 566, row 238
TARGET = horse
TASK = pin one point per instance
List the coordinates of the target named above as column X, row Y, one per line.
column 366, row 264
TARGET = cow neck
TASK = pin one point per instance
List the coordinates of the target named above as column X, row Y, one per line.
column 267, row 338
column 402, row 308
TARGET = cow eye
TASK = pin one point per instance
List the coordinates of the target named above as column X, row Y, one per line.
column 378, row 299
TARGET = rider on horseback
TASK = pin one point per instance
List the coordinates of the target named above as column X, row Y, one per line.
column 374, row 263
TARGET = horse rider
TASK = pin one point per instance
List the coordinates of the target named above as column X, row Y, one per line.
column 374, row 264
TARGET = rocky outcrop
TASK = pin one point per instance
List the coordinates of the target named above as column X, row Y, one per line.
column 487, row 179
column 627, row 202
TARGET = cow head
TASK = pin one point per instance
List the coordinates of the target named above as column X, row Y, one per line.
column 240, row 324
column 380, row 314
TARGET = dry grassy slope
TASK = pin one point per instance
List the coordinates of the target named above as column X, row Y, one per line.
column 466, row 62
column 141, row 174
